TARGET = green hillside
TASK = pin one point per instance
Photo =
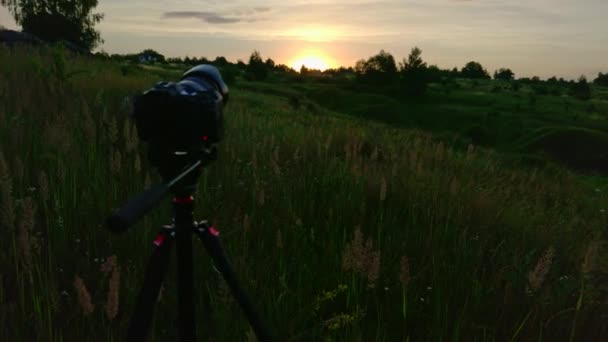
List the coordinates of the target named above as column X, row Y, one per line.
column 349, row 215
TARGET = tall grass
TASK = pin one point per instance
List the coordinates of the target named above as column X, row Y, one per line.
column 342, row 230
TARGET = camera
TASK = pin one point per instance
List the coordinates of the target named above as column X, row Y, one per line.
column 183, row 116
column 182, row 121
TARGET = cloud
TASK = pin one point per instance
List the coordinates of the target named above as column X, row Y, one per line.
column 209, row 17
column 249, row 15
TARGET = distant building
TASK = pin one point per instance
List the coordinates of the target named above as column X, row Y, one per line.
column 150, row 57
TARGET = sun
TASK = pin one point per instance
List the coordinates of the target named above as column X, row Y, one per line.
column 311, row 62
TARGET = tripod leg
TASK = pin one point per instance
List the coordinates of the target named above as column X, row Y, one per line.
column 155, row 273
column 210, row 238
column 185, row 288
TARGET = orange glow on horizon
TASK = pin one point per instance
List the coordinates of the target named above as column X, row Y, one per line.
column 312, row 60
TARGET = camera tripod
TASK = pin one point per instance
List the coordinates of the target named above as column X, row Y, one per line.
column 181, row 231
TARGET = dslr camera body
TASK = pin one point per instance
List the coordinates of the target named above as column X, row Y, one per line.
column 180, row 120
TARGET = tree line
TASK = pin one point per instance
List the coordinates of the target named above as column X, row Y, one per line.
column 74, row 21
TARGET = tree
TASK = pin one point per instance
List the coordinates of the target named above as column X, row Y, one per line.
column 58, row 20
column 414, row 73
column 378, row 69
column 218, row 61
column 256, row 68
column 504, row 74
column 474, row 70
column 270, row 63
column 601, row 80
column 581, row 89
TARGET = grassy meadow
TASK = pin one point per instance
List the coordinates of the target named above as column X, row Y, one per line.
column 348, row 216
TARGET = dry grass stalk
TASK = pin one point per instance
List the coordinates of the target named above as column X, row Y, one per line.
column 591, row 262
column 470, row 152
column 18, row 169
column 160, row 293
column 361, row 258
column 254, row 159
column 440, row 152
column 454, row 186
column 84, row 297
column 7, row 209
column 113, row 294
column 353, row 256
column 261, row 197
column 275, row 167
column 24, row 234
column 109, row 265
column 404, row 274
column 116, row 163
column 383, row 189
column 126, row 134
column 134, row 138
column 296, row 154
column 328, row 142
column 537, row 276
column 373, row 269
column 43, row 185
column 113, row 130
column 246, row 224
column 279, row 239
column 147, row 181
column 374, row 155
column 88, row 125
column 137, row 164
column 347, row 152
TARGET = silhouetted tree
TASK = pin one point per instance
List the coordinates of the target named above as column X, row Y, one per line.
column 378, row 69
column 504, row 74
column 414, row 73
column 581, row 89
column 219, row 61
column 58, row 20
column 256, row 68
column 474, row 70
column 270, row 63
column 601, row 80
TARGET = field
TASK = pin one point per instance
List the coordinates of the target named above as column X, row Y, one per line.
column 349, row 214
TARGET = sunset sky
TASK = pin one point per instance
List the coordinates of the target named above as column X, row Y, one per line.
column 532, row 37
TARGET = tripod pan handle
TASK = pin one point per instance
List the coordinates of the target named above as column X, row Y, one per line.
column 123, row 218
